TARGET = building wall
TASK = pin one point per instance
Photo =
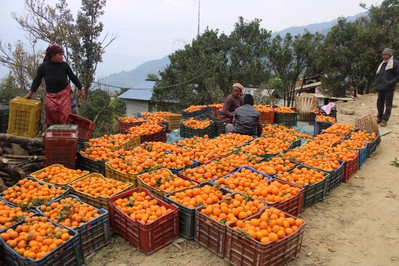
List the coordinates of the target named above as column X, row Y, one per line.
column 133, row 107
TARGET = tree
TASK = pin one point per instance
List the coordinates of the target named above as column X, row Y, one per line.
column 204, row 71
column 8, row 90
column 48, row 24
column 290, row 58
column 21, row 63
column 87, row 50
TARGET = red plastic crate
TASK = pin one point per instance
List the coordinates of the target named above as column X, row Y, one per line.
column 267, row 117
column 293, row 205
column 209, row 233
column 60, row 147
column 350, row 167
column 157, row 136
column 146, row 237
column 124, row 126
column 241, row 249
column 86, row 127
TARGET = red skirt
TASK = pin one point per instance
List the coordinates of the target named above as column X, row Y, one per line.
column 58, row 106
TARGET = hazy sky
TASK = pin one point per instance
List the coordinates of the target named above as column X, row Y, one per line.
column 152, row 29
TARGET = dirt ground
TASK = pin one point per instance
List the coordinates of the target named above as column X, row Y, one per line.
column 357, row 224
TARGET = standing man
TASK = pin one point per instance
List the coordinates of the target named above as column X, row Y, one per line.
column 387, row 77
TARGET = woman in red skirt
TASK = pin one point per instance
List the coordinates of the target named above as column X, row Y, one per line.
column 55, row 73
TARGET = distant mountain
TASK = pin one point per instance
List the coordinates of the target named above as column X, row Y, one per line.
column 132, row 78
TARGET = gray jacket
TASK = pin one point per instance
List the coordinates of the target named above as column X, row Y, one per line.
column 246, row 120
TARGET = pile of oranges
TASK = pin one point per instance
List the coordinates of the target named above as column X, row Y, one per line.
column 28, row 193
column 271, row 226
column 58, row 174
column 35, row 237
column 141, row 207
column 10, row 215
column 69, row 212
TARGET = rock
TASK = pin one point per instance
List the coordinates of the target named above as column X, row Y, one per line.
column 347, row 111
column 17, row 150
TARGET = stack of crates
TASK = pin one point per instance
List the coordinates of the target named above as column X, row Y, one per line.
column 61, row 145
column 24, row 117
column 4, row 112
column 85, row 127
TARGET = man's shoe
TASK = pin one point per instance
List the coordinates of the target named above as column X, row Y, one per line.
column 379, row 120
column 383, row 123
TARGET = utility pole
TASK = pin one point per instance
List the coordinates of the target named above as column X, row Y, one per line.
column 199, row 9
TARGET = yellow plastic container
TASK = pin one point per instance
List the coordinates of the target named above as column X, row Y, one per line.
column 24, row 117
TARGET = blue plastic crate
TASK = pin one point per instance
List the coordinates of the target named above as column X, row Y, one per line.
column 93, row 234
column 68, row 253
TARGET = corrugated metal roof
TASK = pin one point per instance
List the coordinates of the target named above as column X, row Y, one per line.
column 141, row 91
column 137, row 94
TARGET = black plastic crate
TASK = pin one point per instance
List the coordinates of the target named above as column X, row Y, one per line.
column 4, row 112
column 188, row 132
column 90, row 165
column 286, row 119
column 335, row 178
column 320, row 126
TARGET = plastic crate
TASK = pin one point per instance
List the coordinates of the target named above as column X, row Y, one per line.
column 335, row 178
column 33, row 207
column 177, row 170
column 3, row 226
column 90, row 165
column 65, row 128
column 243, row 250
column 68, row 253
column 267, row 117
column 124, row 126
column 205, row 110
column 24, row 117
column 188, row 132
column 209, row 233
column 4, row 114
column 315, row 192
column 265, row 176
column 362, row 156
column 120, row 176
column 93, row 234
column 372, row 146
column 86, row 127
column 187, row 215
column 350, row 167
column 148, row 238
column 98, row 202
column 319, row 127
column 286, row 119
column 174, row 123
column 312, row 115
column 35, row 174
column 160, row 194
column 157, row 136
column 293, row 205
column 60, row 147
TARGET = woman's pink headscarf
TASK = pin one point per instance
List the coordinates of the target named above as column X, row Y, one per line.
column 241, row 87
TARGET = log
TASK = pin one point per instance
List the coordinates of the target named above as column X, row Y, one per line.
column 21, row 140
column 15, row 172
column 24, row 157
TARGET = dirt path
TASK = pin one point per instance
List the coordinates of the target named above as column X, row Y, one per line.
column 357, row 224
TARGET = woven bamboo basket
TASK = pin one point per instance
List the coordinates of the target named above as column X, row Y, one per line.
column 304, row 104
